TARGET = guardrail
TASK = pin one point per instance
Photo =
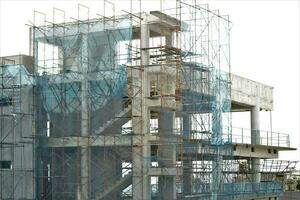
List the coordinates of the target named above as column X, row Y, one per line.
column 247, row 136
column 260, row 137
column 232, row 190
column 251, row 189
column 239, row 135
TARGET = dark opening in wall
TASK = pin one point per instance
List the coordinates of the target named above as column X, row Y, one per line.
column 252, row 149
column 5, row 101
column 5, row 164
column 269, row 150
column 275, row 151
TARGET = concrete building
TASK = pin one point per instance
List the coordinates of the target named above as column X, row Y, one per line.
column 136, row 106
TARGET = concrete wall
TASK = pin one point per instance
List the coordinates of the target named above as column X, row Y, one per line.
column 25, row 60
column 244, row 91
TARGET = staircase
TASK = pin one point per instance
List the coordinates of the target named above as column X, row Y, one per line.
column 120, row 185
column 116, row 121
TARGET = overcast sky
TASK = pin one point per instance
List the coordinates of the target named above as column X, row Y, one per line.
column 264, row 47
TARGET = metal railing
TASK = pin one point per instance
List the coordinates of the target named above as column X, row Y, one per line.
column 251, row 189
column 260, row 137
column 232, row 190
column 247, row 136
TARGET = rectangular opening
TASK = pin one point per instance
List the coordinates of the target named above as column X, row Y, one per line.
column 154, row 126
column 127, row 128
column 49, row 58
column 5, row 101
column 126, row 168
column 48, row 128
column 5, row 164
column 48, row 172
column 153, row 88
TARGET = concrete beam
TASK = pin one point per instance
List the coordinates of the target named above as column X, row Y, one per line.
column 254, row 151
column 245, row 91
column 99, row 141
column 163, row 171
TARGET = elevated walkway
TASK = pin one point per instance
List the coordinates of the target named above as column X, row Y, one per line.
column 244, row 92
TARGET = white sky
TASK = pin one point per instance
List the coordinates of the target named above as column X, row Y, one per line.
column 264, row 47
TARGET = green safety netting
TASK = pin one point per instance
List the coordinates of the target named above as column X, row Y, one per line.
column 96, row 53
column 15, row 75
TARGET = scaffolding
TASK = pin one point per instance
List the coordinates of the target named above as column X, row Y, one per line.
column 128, row 108
column 16, row 138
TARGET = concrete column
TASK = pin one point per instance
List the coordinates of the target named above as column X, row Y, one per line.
column 85, row 151
column 255, row 139
column 216, row 141
column 166, row 154
column 255, row 125
column 187, row 160
column 169, row 40
column 141, row 188
column 30, row 41
column 216, row 181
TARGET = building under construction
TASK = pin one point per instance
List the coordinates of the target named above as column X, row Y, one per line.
column 134, row 106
